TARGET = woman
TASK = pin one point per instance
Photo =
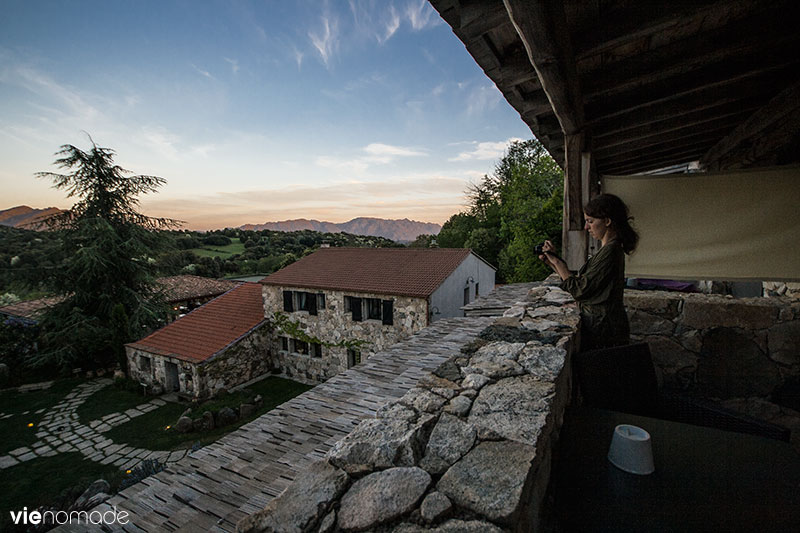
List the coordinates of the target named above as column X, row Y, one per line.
column 599, row 285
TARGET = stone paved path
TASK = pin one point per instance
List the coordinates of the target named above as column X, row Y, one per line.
column 212, row 488
column 60, row 431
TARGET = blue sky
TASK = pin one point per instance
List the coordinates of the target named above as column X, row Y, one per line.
column 253, row 111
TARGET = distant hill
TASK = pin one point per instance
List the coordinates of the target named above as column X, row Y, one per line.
column 26, row 217
column 396, row 230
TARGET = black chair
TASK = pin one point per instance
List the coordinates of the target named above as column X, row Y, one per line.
column 618, row 379
column 623, row 379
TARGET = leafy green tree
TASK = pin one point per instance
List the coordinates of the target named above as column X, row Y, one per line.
column 511, row 211
column 107, row 245
column 424, row 241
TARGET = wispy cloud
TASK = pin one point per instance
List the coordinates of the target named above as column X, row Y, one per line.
column 234, row 64
column 482, row 99
column 375, row 154
column 326, row 38
column 202, row 72
column 483, row 151
column 391, row 23
column 298, row 57
column 389, row 150
column 421, row 15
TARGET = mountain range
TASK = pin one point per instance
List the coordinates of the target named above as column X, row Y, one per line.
column 403, row 230
column 26, row 217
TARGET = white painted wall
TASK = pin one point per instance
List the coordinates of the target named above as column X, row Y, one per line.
column 449, row 297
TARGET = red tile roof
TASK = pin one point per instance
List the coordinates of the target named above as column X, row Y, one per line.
column 415, row 272
column 30, row 308
column 176, row 289
column 179, row 288
column 210, row 328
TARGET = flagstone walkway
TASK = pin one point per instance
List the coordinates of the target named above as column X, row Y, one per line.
column 60, row 431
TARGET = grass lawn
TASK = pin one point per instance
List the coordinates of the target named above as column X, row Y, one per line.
column 47, row 481
column 15, row 430
column 108, row 400
column 149, row 430
column 223, row 252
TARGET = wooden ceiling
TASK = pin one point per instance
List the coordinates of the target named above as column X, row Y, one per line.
column 648, row 84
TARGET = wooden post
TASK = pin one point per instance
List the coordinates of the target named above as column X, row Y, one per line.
column 574, row 238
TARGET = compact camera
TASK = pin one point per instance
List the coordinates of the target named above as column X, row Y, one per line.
column 538, row 249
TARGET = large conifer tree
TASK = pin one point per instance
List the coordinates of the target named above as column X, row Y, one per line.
column 107, row 279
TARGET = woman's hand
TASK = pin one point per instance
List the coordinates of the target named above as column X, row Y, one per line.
column 548, row 259
column 553, row 261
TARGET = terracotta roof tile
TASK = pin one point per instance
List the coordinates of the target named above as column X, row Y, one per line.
column 176, row 289
column 30, row 308
column 210, row 328
column 179, row 288
column 415, row 272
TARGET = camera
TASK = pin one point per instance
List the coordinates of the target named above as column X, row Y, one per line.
column 538, row 249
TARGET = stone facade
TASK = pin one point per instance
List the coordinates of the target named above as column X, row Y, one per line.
column 238, row 363
column 468, row 449
column 333, row 325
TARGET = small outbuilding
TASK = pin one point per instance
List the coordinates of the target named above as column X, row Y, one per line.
column 219, row 345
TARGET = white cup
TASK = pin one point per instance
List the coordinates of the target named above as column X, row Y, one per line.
column 631, row 450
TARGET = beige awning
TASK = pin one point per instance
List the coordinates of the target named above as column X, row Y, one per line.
column 734, row 225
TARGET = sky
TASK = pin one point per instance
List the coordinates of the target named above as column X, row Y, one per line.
column 253, row 111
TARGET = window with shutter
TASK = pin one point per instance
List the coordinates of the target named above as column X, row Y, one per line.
column 288, row 301
column 388, row 312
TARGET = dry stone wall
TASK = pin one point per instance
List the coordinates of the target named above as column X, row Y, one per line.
column 467, row 449
column 333, row 325
column 744, row 352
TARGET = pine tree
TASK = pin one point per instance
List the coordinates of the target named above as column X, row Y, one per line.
column 107, row 273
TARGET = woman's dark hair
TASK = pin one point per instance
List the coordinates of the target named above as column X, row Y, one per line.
column 611, row 207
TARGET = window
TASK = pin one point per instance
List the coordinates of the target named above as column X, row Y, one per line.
column 301, row 347
column 316, row 349
column 353, row 305
column 477, row 289
column 374, row 309
column 353, row 357
column 145, row 365
column 388, row 312
column 466, row 295
column 288, row 301
column 285, row 344
column 303, row 301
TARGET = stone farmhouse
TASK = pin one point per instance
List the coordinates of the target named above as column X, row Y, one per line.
column 379, row 296
column 217, row 346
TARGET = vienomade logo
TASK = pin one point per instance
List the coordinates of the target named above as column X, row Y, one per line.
column 112, row 516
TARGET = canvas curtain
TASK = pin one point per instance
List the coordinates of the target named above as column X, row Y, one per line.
column 740, row 225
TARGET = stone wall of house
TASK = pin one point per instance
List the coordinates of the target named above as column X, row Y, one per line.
column 333, row 325
column 242, row 361
column 239, row 363
column 156, row 377
column 469, row 449
column 744, row 352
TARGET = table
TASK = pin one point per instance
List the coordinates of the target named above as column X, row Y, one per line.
column 705, row 479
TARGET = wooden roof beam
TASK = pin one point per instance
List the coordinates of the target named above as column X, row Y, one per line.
column 721, row 77
column 542, row 26
column 716, row 130
column 700, row 119
column 650, row 163
column 627, row 25
column 786, row 102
